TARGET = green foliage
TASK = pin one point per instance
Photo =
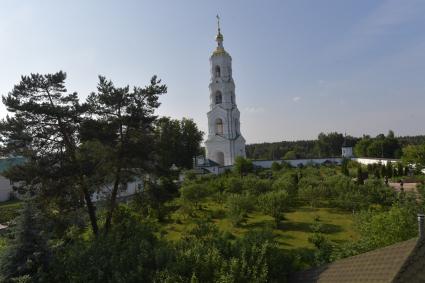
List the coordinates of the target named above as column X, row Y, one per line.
column 329, row 145
column 243, row 166
column 276, row 166
column 255, row 185
column 360, row 176
column 290, row 155
column 380, row 146
column 126, row 254
column 325, row 146
column 287, row 182
column 151, row 200
column 311, row 189
column 192, row 194
column 44, row 131
column 27, row 254
column 274, row 203
column 414, row 154
column 238, row 207
column 122, row 121
column 9, row 210
column 344, row 167
column 233, row 185
column 177, row 142
column 131, row 252
column 381, row 228
column 324, row 247
column 206, row 255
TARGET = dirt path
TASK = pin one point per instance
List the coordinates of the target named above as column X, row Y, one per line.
column 408, row 187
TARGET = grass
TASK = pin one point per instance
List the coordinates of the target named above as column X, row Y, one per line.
column 292, row 233
column 2, row 243
column 9, row 210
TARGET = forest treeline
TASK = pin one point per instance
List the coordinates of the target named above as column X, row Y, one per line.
column 329, row 145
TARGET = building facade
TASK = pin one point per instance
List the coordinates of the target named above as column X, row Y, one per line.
column 225, row 141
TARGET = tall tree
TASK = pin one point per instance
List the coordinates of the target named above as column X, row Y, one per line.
column 178, row 141
column 123, row 122
column 191, row 141
column 415, row 155
column 44, row 130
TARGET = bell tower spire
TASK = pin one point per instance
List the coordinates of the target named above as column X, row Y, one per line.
column 219, row 37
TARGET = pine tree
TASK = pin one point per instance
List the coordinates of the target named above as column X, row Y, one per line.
column 44, row 130
column 27, row 255
column 122, row 121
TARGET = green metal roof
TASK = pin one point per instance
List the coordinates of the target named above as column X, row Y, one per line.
column 6, row 163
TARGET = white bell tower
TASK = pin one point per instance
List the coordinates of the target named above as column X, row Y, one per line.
column 225, row 141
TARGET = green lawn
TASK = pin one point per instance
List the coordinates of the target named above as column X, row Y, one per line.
column 293, row 232
column 9, row 210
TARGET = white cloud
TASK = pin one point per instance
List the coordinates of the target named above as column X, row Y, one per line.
column 296, row 99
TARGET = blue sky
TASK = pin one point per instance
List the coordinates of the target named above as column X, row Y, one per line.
column 300, row 67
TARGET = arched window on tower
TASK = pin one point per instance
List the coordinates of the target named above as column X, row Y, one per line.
column 219, row 126
column 237, row 126
column 217, row 71
column 218, row 98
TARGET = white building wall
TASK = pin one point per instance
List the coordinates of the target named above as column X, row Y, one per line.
column 5, row 189
column 132, row 188
column 367, row 161
column 297, row 162
column 347, row 152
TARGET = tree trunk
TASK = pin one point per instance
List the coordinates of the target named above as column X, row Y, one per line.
column 113, row 201
column 91, row 209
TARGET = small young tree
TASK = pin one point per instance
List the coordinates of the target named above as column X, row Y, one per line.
column 323, row 245
column 192, row 194
column 344, row 167
column 276, row 166
column 274, row 204
column 27, row 255
column 238, row 207
column 243, row 166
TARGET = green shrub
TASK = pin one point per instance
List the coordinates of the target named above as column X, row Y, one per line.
column 274, row 204
column 238, row 207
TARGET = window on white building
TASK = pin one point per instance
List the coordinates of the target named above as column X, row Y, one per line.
column 219, row 126
column 218, row 98
column 217, row 71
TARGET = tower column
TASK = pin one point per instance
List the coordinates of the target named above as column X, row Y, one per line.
column 224, row 142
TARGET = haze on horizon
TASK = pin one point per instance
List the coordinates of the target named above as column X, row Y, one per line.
column 300, row 67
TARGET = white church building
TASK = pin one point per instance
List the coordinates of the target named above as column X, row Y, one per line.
column 225, row 141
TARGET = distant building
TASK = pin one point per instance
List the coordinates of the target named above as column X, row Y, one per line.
column 347, row 149
column 401, row 262
column 204, row 165
column 7, row 192
column 6, row 189
column 225, row 141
